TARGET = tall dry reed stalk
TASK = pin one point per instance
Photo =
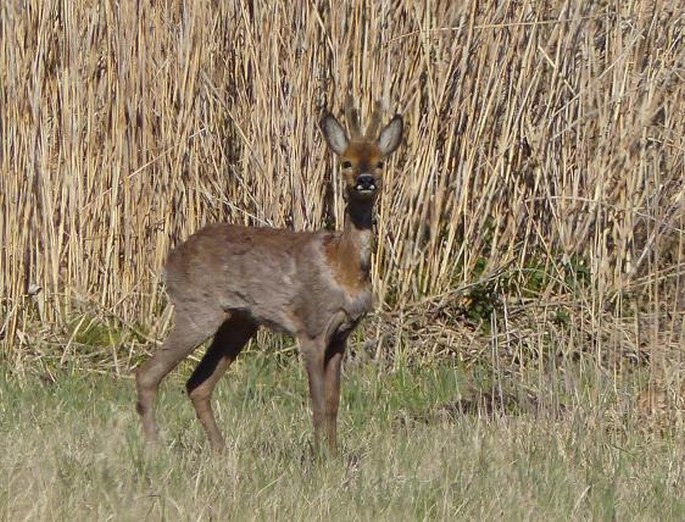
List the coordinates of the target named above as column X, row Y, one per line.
column 545, row 146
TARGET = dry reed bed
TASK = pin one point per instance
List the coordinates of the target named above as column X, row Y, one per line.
column 538, row 134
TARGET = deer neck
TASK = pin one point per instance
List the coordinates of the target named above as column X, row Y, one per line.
column 357, row 236
column 353, row 250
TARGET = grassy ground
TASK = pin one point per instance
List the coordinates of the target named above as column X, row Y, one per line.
column 417, row 443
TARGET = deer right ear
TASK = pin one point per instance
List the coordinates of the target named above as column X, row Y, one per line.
column 391, row 136
column 334, row 134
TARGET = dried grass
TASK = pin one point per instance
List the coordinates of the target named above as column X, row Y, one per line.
column 545, row 135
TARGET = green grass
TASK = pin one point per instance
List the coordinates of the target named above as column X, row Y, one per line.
column 71, row 449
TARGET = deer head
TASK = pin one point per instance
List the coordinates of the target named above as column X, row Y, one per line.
column 362, row 154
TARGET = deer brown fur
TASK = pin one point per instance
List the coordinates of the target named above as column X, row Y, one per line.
column 227, row 280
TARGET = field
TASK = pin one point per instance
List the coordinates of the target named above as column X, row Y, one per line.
column 414, row 447
column 525, row 356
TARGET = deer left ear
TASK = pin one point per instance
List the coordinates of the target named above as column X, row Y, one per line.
column 334, row 134
column 391, row 135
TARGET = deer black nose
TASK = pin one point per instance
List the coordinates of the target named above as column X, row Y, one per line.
column 366, row 182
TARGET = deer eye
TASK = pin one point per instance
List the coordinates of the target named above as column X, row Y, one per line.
column 347, row 164
column 380, row 165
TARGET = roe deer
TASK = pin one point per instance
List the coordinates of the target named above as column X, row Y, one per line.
column 227, row 280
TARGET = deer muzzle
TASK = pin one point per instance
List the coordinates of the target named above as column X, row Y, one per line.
column 366, row 183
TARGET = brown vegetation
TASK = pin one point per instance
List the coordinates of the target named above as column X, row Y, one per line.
column 536, row 214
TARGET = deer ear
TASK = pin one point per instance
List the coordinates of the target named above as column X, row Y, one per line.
column 391, row 135
column 334, row 134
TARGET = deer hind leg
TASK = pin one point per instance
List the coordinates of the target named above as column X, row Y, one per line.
column 186, row 335
column 332, row 367
column 229, row 340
